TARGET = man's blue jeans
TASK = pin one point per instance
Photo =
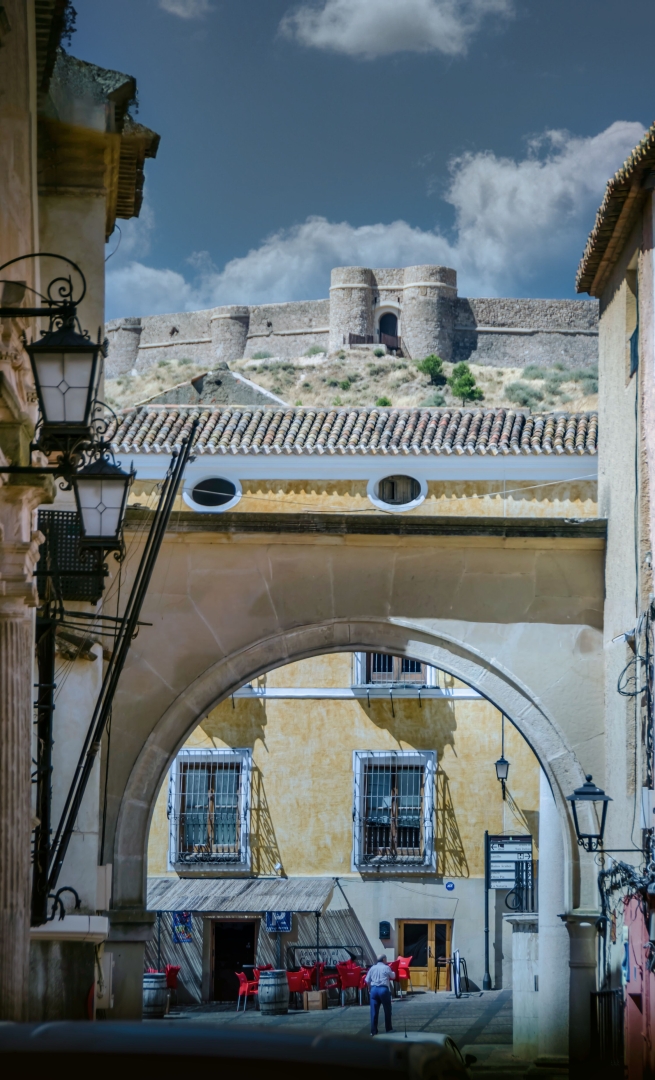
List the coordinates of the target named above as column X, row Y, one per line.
column 380, row 995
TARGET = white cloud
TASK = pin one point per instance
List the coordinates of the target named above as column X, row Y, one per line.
column 513, row 220
column 371, row 28
column 186, row 9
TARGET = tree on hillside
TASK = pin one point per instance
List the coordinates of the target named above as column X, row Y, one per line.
column 433, row 366
column 463, row 385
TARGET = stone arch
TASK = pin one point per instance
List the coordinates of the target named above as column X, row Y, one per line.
column 433, row 645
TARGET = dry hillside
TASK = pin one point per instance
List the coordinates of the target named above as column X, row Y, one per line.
column 359, row 377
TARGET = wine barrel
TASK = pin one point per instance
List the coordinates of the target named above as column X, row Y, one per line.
column 154, row 995
column 273, row 992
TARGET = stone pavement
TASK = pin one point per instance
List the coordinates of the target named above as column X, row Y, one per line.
column 480, row 1023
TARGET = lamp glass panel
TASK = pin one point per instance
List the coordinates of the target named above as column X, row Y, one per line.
column 65, row 380
column 502, row 769
column 101, row 502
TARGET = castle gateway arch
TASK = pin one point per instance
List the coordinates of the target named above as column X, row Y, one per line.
column 289, row 543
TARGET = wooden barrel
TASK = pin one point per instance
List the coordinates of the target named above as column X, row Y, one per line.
column 154, row 995
column 273, row 992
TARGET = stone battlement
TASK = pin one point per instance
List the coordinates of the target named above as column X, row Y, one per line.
column 418, row 304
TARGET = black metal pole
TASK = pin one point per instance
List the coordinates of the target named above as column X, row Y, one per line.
column 45, row 654
column 159, row 941
column 115, row 666
column 318, row 976
column 486, row 980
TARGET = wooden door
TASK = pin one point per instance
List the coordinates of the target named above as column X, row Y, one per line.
column 426, row 941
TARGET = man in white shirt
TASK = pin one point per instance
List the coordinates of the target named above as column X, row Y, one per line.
column 379, row 979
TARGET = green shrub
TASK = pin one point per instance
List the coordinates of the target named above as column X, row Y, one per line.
column 263, row 355
column 433, row 367
column 533, row 371
column 434, row 402
column 337, row 401
column 164, row 363
column 341, row 354
column 589, row 384
column 382, row 402
column 299, row 402
column 559, row 366
column 314, row 350
column 378, row 352
column 553, row 386
column 345, row 384
column 463, row 385
column 186, row 360
column 333, row 382
column 522, row 394
column 375, row 370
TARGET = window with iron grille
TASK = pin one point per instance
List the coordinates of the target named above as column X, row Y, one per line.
column 208, row 808
column 379, row 669
column 393, row 810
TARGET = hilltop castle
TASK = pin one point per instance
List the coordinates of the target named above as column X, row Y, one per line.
column 415, row 309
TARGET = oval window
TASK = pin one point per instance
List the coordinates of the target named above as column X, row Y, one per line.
column 213, row 492
column 398, row 490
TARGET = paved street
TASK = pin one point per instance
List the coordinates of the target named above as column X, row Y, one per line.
column 480, row 1023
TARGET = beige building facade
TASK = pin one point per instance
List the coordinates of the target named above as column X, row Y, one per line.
column 72, row 162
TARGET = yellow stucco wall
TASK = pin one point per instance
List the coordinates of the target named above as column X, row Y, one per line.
column 493, row 498
column 302, row 794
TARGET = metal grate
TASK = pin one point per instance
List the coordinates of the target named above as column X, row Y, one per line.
column 395, row 670
column 524, row 896
column 393, row 811
column 607, row 1031
column 207, row 817
column 64, row 570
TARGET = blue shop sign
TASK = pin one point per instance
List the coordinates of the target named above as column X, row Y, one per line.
column 279, row 922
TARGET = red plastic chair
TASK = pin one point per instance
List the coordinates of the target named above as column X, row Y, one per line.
column 247, row 988
column 403, row 970
column 325, row 982
column 350, row 977
column 172, row 972
column 298, row 982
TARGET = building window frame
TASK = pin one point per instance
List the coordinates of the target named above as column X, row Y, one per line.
column 238, row 859
column 363, row 675
column 192, row 482
column 372, row 492
column 364, row 761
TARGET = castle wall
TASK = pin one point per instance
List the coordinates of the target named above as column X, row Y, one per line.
column 499, row 332
column 542, row 332
column 288, row 329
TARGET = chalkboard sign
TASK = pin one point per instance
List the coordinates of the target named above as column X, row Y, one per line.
column 279, row 922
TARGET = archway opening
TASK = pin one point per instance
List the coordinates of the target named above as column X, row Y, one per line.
column 367, row 768
column 388, row 325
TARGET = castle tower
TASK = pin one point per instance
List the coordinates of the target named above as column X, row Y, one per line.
column 428, row 312
column 229, row 330
column 123, row 347
column 351, row 304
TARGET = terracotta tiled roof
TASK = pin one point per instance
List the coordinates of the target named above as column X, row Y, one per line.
column 624, row 196
column 158, row 429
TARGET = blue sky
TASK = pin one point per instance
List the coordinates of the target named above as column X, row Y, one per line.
column 296, row 137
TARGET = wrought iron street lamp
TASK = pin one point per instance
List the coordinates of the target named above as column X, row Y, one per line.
column 66, row 367
column 101, row 491
column 502, row 765
column 580, row 799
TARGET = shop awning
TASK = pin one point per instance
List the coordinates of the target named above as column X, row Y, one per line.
column 239, row 896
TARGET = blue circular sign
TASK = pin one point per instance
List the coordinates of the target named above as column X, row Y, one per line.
column 450, row 885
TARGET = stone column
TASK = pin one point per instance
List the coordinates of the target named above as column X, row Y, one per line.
column 525, row 985
column 15, row 810
column 129, row 930
column 553, row 936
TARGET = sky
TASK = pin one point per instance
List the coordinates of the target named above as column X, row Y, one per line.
column 296, row 137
